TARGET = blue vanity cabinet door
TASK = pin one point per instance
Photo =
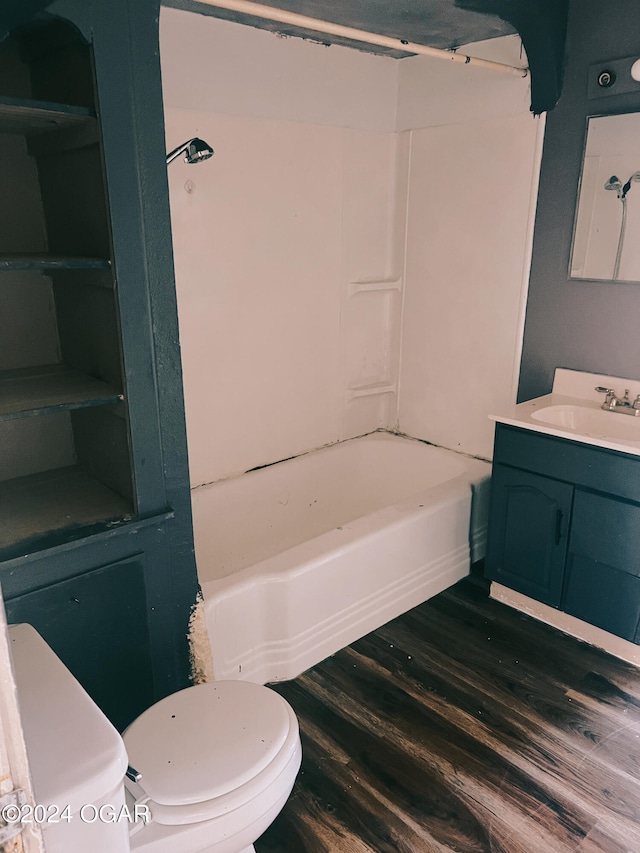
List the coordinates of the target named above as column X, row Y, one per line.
column 603, row 596
column 603, row 569
column 527, row 546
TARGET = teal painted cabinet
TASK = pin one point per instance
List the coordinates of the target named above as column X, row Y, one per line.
column 564, row 527
column 528, row 543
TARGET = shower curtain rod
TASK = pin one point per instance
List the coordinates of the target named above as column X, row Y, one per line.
column 259, row 10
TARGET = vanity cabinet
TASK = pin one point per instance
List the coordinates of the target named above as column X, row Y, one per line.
column 564, row 527
column 528, row 543
column 96, row 546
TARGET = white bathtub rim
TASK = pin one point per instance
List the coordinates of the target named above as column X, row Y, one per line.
column 319, row 549
column 418, row 503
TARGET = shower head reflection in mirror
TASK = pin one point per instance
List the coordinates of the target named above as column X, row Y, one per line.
column 608, row 209
column 614, row 183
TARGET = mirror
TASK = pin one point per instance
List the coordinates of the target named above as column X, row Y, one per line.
column 607, row 225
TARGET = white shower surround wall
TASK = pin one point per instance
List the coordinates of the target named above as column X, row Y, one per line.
column 344, row 255
column 298, row 559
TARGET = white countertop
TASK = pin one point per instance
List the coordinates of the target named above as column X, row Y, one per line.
column 521, row 414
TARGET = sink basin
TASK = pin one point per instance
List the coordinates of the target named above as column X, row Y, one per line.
column 592, row 422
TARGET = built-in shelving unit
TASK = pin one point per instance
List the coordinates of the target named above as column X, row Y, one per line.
column 96, row 545
column 64, row 435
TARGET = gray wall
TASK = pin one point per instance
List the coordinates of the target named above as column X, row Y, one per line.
column 584, row 325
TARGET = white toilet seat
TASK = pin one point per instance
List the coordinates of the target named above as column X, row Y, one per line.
column 208, row 750
column 232, row 832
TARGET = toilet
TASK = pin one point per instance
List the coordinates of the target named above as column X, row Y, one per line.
column 216, row 787
column 207, row 768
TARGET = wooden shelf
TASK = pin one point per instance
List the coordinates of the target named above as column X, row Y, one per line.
column 53, row 500
column 29, row 117
column 51, row 263
column 51, row 388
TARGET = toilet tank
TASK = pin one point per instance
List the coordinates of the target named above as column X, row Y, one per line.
column 77, row 758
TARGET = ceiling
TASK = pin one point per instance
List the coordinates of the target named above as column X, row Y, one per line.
column 444, row 24
column 436, row 23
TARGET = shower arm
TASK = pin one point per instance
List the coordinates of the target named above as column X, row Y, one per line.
column 171, row 156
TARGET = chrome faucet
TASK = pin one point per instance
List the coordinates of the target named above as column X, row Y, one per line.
column 612, row 403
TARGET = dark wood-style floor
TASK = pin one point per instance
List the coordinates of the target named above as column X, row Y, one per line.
column 465, row 726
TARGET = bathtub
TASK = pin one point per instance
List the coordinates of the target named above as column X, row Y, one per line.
column 298, row 559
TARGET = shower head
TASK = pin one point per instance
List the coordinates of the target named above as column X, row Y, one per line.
column 625, row 189
column 613, row 183
column 194, row 151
